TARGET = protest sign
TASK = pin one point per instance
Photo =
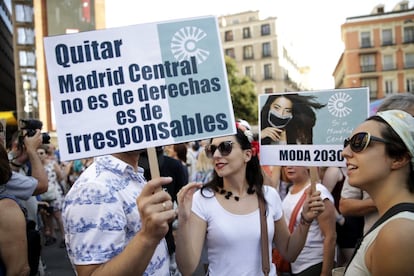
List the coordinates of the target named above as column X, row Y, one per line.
column 138, row 86
column 309, row 128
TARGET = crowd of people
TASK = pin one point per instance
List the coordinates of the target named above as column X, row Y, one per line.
column 203, row 214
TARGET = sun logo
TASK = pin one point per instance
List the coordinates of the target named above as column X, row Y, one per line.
column 184, row 44
column 337, row 105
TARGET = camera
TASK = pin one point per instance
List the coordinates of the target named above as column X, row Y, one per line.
column 30, row 125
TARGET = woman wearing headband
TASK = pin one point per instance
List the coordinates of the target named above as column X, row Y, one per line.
column 224, row 213
column 380, row 158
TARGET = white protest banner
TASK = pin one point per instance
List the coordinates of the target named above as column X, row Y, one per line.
column 138, row 87
column 309, row 128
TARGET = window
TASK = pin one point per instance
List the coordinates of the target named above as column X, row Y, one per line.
column 372, row 86
column 367, row 63
column 404, row 6
column 265, row 29
column 388, row 63
column 410, row 84
column 27, row 58
column 387, row 37
column 246, row 32
column 409, row 34
column 248, row 71
column 268, row 90
column 228, row 36
column 266, row 49
column 389, row 87
column 230, row 52
column 25, row 36
column 268, row 71
column 24, row 13
column 248, row 52
column 409, row 60
column 365, row 39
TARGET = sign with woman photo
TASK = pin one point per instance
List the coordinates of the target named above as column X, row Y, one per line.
column 309, row 128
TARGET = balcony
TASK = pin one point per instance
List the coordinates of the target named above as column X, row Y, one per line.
column 367, row 68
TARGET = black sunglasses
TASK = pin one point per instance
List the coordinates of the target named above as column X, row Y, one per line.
column 360, row 141
column 224, row 149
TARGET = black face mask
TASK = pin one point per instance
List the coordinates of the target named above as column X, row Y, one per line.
column 275, row 120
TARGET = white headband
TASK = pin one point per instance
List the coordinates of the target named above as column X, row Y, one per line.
column 403, row 124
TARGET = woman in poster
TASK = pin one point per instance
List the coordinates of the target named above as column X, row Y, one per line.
column 288, row 119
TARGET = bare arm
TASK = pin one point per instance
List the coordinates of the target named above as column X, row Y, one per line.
column 134, row 259
column 290, row 245
column 327, row 225
column 13, row 240
column 38, row 170
column 356, row 207
column 190, row 233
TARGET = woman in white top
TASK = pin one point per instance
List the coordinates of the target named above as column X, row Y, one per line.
column 224, row 213
column 380, row 160
column 318, row 255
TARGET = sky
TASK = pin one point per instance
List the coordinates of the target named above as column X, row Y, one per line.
column 311, row 27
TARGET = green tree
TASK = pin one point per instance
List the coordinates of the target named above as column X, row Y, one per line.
column 242, row 92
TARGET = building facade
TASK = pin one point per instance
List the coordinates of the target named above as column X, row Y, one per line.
column 260, row 54
column 7, row 86
column 379, row 52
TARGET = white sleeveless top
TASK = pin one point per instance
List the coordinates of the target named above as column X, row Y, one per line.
column 358, row 266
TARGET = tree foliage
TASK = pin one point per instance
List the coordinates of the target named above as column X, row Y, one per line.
column 243, row 96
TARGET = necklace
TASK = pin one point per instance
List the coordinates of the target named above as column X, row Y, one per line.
column 229, row 194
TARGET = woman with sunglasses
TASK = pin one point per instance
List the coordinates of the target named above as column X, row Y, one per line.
column 224, row 213
column 380, row 160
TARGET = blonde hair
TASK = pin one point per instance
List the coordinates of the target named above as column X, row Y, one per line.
column 204, row 163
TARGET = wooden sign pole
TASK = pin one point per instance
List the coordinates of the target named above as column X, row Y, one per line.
column 153, row 162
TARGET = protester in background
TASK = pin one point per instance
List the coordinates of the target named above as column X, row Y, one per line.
column 380, row 160
column 278, row 180
column 318, row 255
column 354, row 201
column 115, row 221
column 54, row 197
column 179, row 152
column 29, row 179
column 193, row 150
column 288, row 119
column 24, row 160
column 349, row 229
column 204, row 169
column 224, row 213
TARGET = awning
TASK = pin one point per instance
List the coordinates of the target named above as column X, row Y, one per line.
column 9, row 117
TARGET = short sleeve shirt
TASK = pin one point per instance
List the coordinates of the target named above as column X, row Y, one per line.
column 233, row 240
column 21, row 186
column 100, row 215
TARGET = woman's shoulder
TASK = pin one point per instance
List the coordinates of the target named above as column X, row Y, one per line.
column 10, row 210
column 271, row 194
column 325, row 193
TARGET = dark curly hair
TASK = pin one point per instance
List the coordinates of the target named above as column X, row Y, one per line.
column 5, row 170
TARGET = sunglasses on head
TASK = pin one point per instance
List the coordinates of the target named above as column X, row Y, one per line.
column 224, row 149
column 360, row 141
